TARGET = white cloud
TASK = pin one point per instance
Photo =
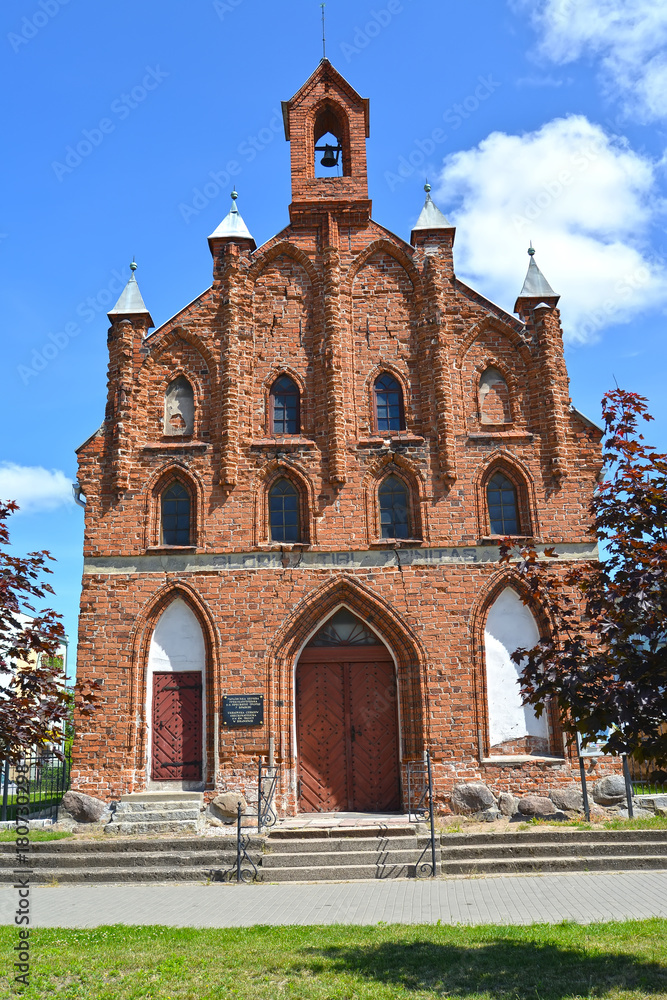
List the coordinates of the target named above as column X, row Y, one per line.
column 628, row 36
column 586, row 200
column 35, row 489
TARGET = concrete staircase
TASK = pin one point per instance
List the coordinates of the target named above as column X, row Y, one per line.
column 157, row 813
column 317, row 855
column 342, row 854
column 552, row 851
column 117, row 860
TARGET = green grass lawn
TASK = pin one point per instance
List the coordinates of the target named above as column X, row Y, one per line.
column 9, row 836
column 541, row 962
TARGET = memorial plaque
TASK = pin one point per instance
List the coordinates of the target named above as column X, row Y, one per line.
column 243, row 710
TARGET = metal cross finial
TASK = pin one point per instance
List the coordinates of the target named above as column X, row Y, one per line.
column 531, row 249
column 324, row 38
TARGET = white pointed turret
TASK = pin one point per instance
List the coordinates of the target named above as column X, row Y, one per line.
column 432, row 226
column 431, row 217
column 536, row 287
column 232, row 229
column 131, row 302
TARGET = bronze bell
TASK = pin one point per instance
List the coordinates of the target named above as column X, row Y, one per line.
column 330, row 158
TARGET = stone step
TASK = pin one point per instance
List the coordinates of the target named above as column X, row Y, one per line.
column 309, row 862
column 578, row 849
column 174, row 796
column 153, row 828
column 330, row 846
column 548, row 863
column 153, row 815
column 140, row 859
column 124, row 876
column 340, row 873
column 554, row 836
column 114, row 845
column 342, row 832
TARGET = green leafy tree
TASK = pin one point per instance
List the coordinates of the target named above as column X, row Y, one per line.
column 605, row 663
column 34, row 702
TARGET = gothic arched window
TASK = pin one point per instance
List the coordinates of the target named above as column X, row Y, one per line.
column 175, row 506
column 503, row 507
column 179, row 408
column 285, row 406
column 284, row 521
column 389, row 410
column 394, row 508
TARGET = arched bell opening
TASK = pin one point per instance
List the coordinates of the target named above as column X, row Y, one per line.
column 330, row 144
column 347, row 720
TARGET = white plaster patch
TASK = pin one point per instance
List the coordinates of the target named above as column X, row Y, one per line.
column 177, row 644
column 510, row 625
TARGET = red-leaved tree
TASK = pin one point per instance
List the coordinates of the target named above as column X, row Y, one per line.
column 34, row 703
column 605, row 664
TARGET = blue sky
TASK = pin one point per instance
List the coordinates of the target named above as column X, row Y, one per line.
column 126, row 126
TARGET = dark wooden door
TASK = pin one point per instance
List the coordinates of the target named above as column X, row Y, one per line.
column 347, row 730
column 177, row 726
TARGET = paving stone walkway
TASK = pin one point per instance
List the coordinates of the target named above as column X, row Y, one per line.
column 508, row 899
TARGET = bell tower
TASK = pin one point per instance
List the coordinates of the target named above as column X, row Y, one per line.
column 327, row 124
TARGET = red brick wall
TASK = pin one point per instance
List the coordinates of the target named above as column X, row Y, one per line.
column 332, row 300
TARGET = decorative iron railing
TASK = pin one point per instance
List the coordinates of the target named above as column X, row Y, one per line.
column 244, row 868
column 420, row 804
column 266, row 790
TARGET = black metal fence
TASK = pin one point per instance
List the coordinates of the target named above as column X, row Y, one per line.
column 48, row 778
column 647, row 779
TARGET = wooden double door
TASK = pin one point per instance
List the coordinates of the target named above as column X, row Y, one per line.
column 347, row 730
column 177, row 726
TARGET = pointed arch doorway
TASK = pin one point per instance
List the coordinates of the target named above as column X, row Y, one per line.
column 347, row 721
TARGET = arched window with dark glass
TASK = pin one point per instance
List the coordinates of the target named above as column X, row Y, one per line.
column 175, row 515
column 284, row 512
column 285, row 406
column 394, row 508
column 389, row 412
column 503, row 508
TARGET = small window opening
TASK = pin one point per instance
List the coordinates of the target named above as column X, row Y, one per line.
column 393, row 497
column 389, row 410
column 284, row 512
column 175, row 515
column 285, row 400
column 503, row 510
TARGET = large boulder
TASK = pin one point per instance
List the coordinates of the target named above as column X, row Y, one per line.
column 536, row 805
column 472, row 798
column 569, row 799
column 508, row 804
column 84, row 808
column 225, row 806
column 609, row 791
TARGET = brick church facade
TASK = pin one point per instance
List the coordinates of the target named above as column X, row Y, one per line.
column 297, row 495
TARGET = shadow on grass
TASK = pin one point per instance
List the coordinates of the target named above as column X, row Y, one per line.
column 499, row 968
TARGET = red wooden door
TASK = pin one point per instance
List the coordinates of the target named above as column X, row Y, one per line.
column 347, row 730
column 177, row 726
